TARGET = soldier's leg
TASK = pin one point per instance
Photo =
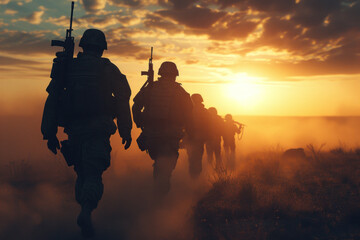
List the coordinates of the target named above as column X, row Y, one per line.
column 95, row 160
column 232, row 160
column 165, row 155
column 163, row 168
column 209, row 153
column 217, row 151
column 195, row 160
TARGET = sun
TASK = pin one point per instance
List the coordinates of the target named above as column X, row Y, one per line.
column 244, row 91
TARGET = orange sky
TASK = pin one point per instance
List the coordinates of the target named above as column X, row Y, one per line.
column 281, row 57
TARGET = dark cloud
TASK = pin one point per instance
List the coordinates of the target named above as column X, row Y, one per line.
column 119, row 44
column 20, row 42
column 177, row 4
column 193, row 17
column 95, row 20
column 130, row 3
column 282, row 6
column 310, row 13
column 93, row 5
column 233, row 26
column 153, row 21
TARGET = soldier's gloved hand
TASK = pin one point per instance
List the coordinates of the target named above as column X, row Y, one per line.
column 53, row 144
column 127, row 141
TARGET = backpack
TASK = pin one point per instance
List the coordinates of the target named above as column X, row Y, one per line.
column 87, row 91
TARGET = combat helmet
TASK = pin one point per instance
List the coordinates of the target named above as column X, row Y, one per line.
column 168, row 69
column 212, row 110
column 228, row 117
column 93, row 37
column 197, row 98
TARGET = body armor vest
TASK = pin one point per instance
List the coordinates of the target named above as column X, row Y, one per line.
column 164, row 108
column 88, row 92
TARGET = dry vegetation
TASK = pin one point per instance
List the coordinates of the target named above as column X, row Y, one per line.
column 272, row 197
column 269, row 197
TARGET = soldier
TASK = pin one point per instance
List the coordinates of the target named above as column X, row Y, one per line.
column 195, row 140
column 96, row 93
column 213, row 142
column 231, row 127
column 163, row 110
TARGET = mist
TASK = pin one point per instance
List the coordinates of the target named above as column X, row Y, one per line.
column 36, row 187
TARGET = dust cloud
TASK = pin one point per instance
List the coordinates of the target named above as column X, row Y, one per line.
column 36, row 187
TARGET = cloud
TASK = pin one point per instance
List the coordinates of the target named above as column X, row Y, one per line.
column 193, row 17
column 20, row 42
column 93, row 5
column 131, row 3
column 152, row 21
column 33, row 18
column 91, row 20
column 2, row 23
column 231, row 27
column 10, row 61
column 119, row 44
column 10, row 12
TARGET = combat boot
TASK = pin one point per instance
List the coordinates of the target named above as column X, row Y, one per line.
column 85, row 223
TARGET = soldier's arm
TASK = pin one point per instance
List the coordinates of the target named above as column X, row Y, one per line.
column 122, row 93
column 49, row 124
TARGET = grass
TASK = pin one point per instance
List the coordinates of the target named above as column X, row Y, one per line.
column 316, row 197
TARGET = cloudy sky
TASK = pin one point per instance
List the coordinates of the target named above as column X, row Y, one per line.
column 258, row 57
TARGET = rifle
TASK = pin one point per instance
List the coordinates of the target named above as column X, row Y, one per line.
column 149, row 73
column 241, row 128
column 60, row 68
column 68, row 44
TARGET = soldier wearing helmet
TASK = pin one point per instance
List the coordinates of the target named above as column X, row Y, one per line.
column 213, row 142
column 195, row 140
column 163, row 110
column 231, row 128
column 96, row 92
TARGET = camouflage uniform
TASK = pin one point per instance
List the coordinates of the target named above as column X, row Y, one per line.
column 163, row 110
column 230, row 129
column 195, row 140
column 98, row 93
column 213, row 142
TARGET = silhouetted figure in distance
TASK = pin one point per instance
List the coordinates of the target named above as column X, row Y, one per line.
column 163, row 110
column 230, row 129
column 95, row 92
column 213, row 142
column 195, row 140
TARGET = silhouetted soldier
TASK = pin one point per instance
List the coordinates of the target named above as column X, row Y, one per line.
column 195, row 140
column 213, row 142
column 230, row 129
column 96, row 92
column 162, row 110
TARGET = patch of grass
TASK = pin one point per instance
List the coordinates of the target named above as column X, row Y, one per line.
column 312, row 198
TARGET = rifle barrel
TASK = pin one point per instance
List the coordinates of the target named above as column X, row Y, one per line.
column 71, row 17
column 151, row 54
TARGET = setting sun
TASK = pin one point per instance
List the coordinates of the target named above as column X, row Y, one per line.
column 245, row 91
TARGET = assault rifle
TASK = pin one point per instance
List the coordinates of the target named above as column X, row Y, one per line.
column 149, row 73
column 241, row 128
column 60, row 68
column 68, row 43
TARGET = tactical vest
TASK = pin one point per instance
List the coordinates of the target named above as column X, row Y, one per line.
column 164, row 110
column 88, row 92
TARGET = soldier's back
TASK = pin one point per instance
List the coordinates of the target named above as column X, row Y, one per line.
column 167, row 108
